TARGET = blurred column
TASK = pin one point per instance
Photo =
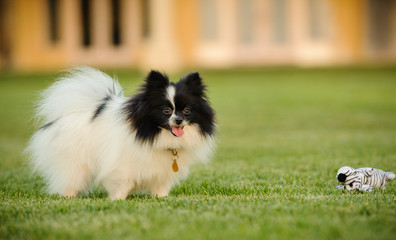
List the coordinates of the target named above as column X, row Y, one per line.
column 5, row 34
column 218, row 38
column 162, row 47
column 101, row 35
column 349, row 31
column 71, row 28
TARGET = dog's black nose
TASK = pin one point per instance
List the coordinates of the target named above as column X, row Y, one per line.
column 178, row 120
column 341, row 177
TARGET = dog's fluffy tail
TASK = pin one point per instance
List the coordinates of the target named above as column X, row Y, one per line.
column 80, row 90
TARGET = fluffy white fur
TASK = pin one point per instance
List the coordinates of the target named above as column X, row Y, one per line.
column 75, row 152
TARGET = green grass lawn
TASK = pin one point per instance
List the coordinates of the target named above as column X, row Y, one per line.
column 283, row 134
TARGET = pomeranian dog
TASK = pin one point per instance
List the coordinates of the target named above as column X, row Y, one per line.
column 92, row 134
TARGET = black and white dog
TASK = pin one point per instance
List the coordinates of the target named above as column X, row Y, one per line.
column 92, row 134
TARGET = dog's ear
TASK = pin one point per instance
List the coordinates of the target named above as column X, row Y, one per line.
column 156, row 80
column 193, row 82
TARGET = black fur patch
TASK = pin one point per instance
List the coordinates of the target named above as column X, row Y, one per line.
column 100, row 108
column 191, row 92
column 47, row 125
column 144, row 110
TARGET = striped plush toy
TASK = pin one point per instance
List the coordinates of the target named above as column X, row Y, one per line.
column 363, row 179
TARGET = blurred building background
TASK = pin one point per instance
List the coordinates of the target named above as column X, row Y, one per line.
column 173, row 34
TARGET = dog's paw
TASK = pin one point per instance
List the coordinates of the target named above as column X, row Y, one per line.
column 160, row 191
column 70, row 194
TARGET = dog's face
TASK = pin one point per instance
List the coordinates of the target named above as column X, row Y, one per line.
column 163, row 105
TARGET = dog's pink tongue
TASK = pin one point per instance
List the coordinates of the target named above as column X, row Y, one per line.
column 178, row 131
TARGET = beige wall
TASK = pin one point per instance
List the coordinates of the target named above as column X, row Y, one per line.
column 243, row 34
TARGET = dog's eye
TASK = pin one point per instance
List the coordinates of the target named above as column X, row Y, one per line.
column 167, row 111
column 186, row 111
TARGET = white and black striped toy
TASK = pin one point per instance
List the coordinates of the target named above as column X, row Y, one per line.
column 363, row 179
